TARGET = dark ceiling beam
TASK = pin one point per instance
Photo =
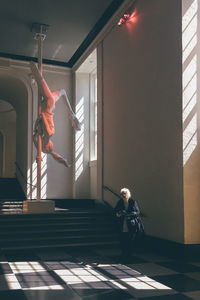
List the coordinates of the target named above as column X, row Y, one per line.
column 29, row 58
column 96, row 29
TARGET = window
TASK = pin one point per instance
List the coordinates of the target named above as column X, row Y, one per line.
column 93, row 116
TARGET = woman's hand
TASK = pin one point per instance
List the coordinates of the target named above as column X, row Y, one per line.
column 120, row 213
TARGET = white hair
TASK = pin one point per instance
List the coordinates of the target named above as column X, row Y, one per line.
column 125, row 190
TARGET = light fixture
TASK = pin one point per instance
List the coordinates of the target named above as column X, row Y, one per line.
column 124, row 19
column 128, row 14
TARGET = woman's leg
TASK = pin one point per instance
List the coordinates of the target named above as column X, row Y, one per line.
column 124, row 244
column 42, row 85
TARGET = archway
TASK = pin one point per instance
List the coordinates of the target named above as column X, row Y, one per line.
column 15, row 90
column 7, row 140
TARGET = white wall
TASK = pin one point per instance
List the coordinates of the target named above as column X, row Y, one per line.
column 142, row 127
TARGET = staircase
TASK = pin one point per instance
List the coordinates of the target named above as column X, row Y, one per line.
column 10, row 189
column 11, row 196
column 73, row 228
column 72, row 225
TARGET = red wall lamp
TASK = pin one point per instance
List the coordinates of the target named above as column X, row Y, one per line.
column 128, row 15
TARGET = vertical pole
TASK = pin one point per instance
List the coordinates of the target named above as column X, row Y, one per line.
column 39, row 149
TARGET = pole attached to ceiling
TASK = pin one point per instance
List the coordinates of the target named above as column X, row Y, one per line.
column 40, row 30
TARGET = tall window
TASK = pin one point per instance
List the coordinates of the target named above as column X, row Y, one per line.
column 93, row 115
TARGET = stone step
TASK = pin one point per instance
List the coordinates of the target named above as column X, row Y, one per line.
column 63, row 245
column 52, row 232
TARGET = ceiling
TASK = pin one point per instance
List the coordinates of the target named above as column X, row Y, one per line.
column 72, row 27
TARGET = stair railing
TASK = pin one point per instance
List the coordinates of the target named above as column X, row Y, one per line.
column 22, row 175
column 107, row 188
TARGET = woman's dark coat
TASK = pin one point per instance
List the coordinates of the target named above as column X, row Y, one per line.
column 132, row 214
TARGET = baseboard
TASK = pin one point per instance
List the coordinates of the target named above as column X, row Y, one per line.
column 170, row 248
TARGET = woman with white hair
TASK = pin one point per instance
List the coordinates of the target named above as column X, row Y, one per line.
column 130, row 224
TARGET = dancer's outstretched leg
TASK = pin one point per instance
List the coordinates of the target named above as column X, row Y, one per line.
column 54, row 96
column 42, row 85
column 75, row 122
column 60, row 159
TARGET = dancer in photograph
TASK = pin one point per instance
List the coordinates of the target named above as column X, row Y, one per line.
column 44, row 125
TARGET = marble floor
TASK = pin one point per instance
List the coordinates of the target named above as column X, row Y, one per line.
column 96, row 274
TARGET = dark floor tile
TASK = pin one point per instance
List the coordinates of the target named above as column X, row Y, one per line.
column 195, row 258
column 168, row 297
column 66, row 294
column 20, row 255
column 87, row 292
column 53, row 254
column 12, row 295
column 37, row 279
column 78, row 258
column 2, row 256
column 108, row 295
column 60, row 265
column 180, row 266
column 72, row 264
column 93, row 259
column 5, row 269
column 105, row 272
column 131, row 260
column 108, row 260
column 179, row 282
column 81, row 251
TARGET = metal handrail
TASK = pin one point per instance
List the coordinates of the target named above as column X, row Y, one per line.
column 105, row 187
column 22, row 175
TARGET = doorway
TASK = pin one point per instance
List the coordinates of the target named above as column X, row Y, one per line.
column 7, row 140
column 1, row 154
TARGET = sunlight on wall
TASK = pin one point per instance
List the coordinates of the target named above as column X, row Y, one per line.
column 28, row 186
column 78, row 276
column 189, row 30
column 44, row 176
column 93, row 115
column 189, row 60
column 79, row 140
column 34, row 180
